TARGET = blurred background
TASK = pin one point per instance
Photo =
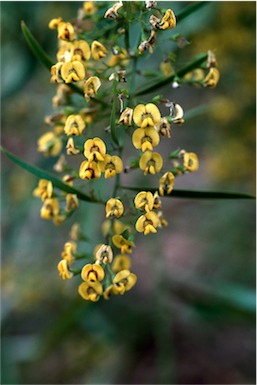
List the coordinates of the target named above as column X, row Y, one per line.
column 191, row 317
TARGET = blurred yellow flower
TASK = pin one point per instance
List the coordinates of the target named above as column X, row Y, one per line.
column 64, row 270
column 145, row 139
column 56, row 76
column 73, row 71
column 121, row 262
column 89, row 170
column 114, row 208
column 151, row 162
column 65, row 31
column 123, row 281
column 94, row 149
column 148, row 223
column 168, row 21
column 90, row 290
column 212, row 78
column 50, row 208
column 98, row 50
column 190, row 161
column 111, row 165
column 72, row 202
column 49, row 144
column 44, row 189
column 74, row 125
column 68, row 251
column 123, row 244
column 89, row 7
column 80, row 50
column 166, row 183
column 53, row 24
column 91, row 87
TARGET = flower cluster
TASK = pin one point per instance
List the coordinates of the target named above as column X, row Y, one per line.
column 97, row 113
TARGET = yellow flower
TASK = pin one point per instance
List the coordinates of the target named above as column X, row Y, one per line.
column 71, row 149
column 148, row 223
column 126, row 117
column 44, row 189
column 145, row 139
column 111, row 165
column 73, row 71
column 212, row 78
column 98, row 50
column 89, row 7
column 112, row 13
column 59, row 219
column 148, row 44
column 144, row 201
column 123, row 244
column 53, row 24
column 56, row 76
column 75, row 234
column 104, row 254
column 114, row 207
column 72, row 202
column 108, row 291
column 123, row 281
column 90, row 290
column 166, row 183
column 120, row 58
column 91, row 87
column 92, row 273
column 69, row 251
column 64, row 270
column 191, row 162
column 121, row 262
column 148, row 115
column 166, row 68
column 94, row 149
column 50, row 208
column 80, row 50
column 150, row 162
column 168, row 21
column 49, row 144
column 74, row 125
column 89, row 170
column 66, row 31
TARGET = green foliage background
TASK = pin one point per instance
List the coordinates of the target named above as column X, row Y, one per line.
column 190, row 318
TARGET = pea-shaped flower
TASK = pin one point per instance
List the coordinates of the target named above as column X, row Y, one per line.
column 191, row 162
column 146, row 115
column 91, row 87
column 50, row 208
column 111, row 165
column 148, row 223
column 80, row 50
column 166, row 183
column 92, row 273
column 94, row 149
column 145, row 139
column 144, row 201
column 122, row 243
column 123, row 281
column 121, row 262
column 73, row 71
column 65, row 31
column 104, row 254
column 89, row 170
column 44, row 189
column 69, row 251
column 151, row 162
column 64, row 270
column 90, row 291
column 49, row 144
column 98, row 50
column 74, row 125
column 114, row 208
column 168, row 21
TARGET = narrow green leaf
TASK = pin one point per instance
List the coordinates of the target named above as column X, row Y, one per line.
column 163, row 81
column 35, row 47
column 46, row 175
column 195, row 194
column 42, row 55
column 187, row 11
